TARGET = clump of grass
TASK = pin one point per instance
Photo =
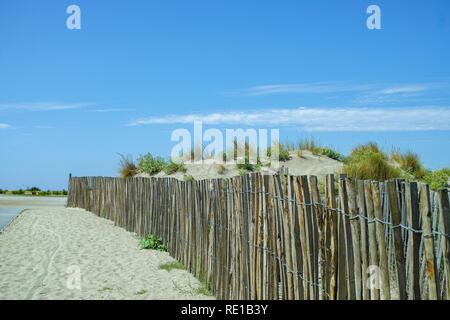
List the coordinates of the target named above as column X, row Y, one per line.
column 283, row 152
column 141, row 292
column 315, row 148
column 409, row 162
column 368, row 161
column 205, row 287
column 245, row 166
column 188, row 178
column 220, row 169
column 105, row 289
column 438, row 178
column 330, row 153
column 171, row 265
column 173, row 167
column 371, row 147
column 151, row 165
column 309, row 144
column 243, row 172
column 300, row 153
column 152, row 241
column 127, row 168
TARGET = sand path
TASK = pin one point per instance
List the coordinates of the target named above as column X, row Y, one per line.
column 39, row 247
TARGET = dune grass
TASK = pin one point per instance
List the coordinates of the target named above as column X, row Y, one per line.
column 366, row 161
column 127, row 168
column 311, row 144
column 171, row 265
column 370, row 162
column 409, row 162
column 173, row 167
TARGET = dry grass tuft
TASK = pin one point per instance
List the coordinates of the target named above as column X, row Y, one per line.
column 127, row 168
column 408, row 161
column 220, row 169
column 368, row 162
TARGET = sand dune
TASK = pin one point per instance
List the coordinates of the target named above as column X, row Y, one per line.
column 308, row 164
column 39, row 247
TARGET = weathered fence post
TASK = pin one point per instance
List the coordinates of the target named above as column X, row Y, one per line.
column 384, row 267
column 445, row 228
column 363, row 241
column 374, row 290
column 398, row 241
column 331, row 207
column 425, row 206
column 355, row 228
column 413, row 216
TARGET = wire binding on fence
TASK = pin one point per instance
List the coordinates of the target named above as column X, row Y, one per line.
column 324, row 206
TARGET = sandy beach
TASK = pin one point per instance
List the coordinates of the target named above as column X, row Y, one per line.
column 42, row 251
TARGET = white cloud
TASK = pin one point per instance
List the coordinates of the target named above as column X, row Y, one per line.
column 4, row 126
column 395, row 94
column 360, row 94
column 406, row 89
column 43, row 106
column 319, row 87
column 113, row 110
column 322, row 119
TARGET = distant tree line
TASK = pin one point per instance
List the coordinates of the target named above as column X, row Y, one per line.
column 35, row 191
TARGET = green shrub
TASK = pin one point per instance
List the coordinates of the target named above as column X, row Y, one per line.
column 437, row 179
column 369, row 162
column 151, row 165
column 330, row 153
column 243, row 172
column 245, row 166
column 188, row 178
column 64, row 192
column 1, row 191
column 283, row 153
column 152, row 241
column 173, row 167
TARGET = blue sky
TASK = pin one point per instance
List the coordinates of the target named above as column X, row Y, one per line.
column 137, row 70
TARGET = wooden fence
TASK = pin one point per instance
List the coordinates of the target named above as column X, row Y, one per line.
column 285, row 237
